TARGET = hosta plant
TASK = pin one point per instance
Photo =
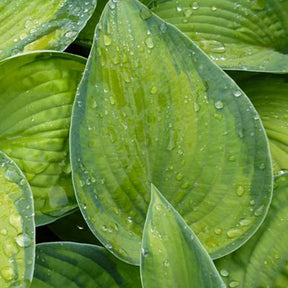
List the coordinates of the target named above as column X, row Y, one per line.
column 146, row 142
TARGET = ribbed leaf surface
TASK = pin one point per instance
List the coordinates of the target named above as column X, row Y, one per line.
column 269, row 93
column 246, row 35
column 263, row 260
column 41, row 24
column 36, row 95
column 74, row 265
column 153, row 108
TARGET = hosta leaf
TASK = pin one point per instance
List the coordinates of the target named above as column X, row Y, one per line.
column 235, row 34
column 263, row 260
column 85, row 37
column 74, row 265
column 36, row 95
column 41, row 24
column 269, row 93
column 153, row 108
column 172, row 256
column 17, row 227
column 73, row 228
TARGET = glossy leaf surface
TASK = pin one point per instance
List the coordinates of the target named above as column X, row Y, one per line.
column 41, row 24
column 17, row 227
column 245, row 35
column 263, row 260
column 269, row 93
column 74, row 265
column 153, row 108
column 172, row 256
column 36, row 95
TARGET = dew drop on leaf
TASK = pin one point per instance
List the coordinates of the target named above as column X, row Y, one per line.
column 219, row 105
column 8, row 273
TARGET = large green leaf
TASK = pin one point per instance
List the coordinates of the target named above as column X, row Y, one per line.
column 74, row 265
column 172, row 256
column 263, row 260
column 36, row 95
column 235, row 34
column 152, row 108
column 41, row 24
column 269, row 93
column 17, row 227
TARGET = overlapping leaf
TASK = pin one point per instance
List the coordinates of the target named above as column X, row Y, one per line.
column 17, row 231
column 74, row 265
column 235, row 34
column 153, row 108
column 85, row 37
column 269, row 93
column 172, row 256
column 41, row 24
column 263, row 260
column 36, row 95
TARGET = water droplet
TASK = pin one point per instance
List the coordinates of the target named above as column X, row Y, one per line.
column 240, row 190
column 195, row 6
column 188, row 12
column 3, row 232
column 224, row 273
column 158, row 207
column 16, row 221
column 149, row 42
column 10, row 248
column 130, row 219
column 259, row 211
column 109, row 246
column 144, row 252
column 237, row 93
column 252, row 202
column 179, row 176
column 22, row 182
column 233, row 284
column 277, row 256
column 219, row 105
column 112, row 5
column 234, row 232
column 218, row 231
column 245, row 222
column 179, row 9
column 8, row 273
column 163, row 27
column 153, row 90
column 112, row 100
column 71, row 34
column 145, row 13
column 107, row 40
column 213, row 8
column 166, row 263
column 23, row 240
column 232, row 158
column 262, row 166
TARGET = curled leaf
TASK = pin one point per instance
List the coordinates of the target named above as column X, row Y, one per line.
column 17, row 227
